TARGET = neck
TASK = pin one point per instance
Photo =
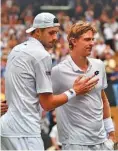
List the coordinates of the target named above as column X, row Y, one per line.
column 81, row 62
column 35, row 36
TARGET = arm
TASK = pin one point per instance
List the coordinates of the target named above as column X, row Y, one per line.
column 49, row 101
column 106, row 106
column 107, row 117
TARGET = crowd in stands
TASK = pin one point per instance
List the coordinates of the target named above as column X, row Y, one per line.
column 16, row 18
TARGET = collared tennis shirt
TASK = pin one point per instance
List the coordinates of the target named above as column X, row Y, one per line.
column 80, row 120
column 28, row 73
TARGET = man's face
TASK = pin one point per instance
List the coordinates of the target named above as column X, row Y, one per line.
column 84, row 44
column 48, row 37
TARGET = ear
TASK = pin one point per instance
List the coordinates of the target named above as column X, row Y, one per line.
column 73, row 41
column 38, row 32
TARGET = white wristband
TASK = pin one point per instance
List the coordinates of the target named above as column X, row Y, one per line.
column 70, row 93
column 108, row 124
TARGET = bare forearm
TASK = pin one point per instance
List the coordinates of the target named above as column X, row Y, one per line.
column 109, row 127
column 106, row 111
column 52, row 101
column 106, row 106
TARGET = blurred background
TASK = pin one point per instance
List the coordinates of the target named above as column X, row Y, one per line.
column 17, row 16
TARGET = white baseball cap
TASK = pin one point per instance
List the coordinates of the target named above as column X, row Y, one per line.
column 43, row 20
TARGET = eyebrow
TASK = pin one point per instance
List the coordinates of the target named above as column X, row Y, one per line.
column 88, row 38
column 52, row 31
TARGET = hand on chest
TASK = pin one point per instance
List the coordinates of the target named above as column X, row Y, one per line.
column 68, row 78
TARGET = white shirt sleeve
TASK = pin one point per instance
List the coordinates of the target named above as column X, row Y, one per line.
column 55, row 76
column 43, row 75
column 104, row 78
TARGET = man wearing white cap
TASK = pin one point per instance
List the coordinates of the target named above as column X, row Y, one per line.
column 28, row 85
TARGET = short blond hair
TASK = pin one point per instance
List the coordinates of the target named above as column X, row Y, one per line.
column 79, row 29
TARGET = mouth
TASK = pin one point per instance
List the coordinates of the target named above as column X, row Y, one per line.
column 89, row 48
column 52, row 42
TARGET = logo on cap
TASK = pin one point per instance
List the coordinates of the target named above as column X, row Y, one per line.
column 55, row 20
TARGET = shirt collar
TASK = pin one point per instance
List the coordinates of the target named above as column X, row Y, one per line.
column 75, row 67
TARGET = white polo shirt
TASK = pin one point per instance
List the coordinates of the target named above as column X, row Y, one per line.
column 80, row 121
column 28, row 73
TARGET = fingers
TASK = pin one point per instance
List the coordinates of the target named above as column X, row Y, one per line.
column 4, row 107
column 3, row 111
column 92, row 84
column 84, row 84
column 79, row 78
column 89, row 78
column 88, row 81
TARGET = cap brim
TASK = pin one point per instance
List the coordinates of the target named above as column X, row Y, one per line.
column 56, row 24
column 30, row 30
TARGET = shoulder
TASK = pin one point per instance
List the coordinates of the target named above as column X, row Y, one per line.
column 57, row 73
column 17, row 47
column 62, row 66
column 96, row 62
column 36, row 50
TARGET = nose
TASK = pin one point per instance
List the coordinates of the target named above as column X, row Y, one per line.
column 92, row 42
column 55, row 36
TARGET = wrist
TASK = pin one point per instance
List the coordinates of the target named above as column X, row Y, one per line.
column 112, row 136
column 70, row 94
column 108, row 124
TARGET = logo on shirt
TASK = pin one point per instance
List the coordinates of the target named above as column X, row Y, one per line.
column 96, row 72
column 48, row 72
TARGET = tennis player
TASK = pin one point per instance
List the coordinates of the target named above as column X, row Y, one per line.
column 84, row 122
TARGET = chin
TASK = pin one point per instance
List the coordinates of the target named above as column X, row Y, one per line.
column 49, row 46
column 89, row 53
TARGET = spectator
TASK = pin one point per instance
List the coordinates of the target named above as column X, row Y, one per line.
column 108, row 34
column 54, row 134
column 114, row 79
